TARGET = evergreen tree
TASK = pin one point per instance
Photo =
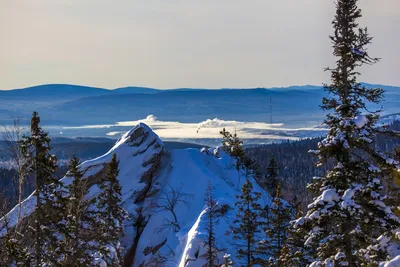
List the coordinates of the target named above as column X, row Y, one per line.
column 211, row 254
column 80, row 227
column 111, row 216
column 246, row 226
column 227, row 261
column 234, row 147
column 350, row 213
column 272, row 179
column 393, row 186
column 232, row 144
column 294, row 253
column 296, row 204
column 12, row 251
column 50, row 201
column 281, row 214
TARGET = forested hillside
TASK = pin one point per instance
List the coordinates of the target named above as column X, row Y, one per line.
column 296, row 165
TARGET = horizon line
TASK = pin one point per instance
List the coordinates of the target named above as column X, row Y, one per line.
column 183, row 88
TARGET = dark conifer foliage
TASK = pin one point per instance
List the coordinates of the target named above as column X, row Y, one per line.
column 297, row 166
column 271, row 178
column 50, row 201
column 211, row 217
column 79, row 232
column 281, row 215
column 110, row 216
column 349, row 214
column 234, row 147
column 12, row 250
column 293, row 252
column 247, row 227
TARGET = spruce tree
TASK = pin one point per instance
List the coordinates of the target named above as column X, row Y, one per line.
column 281, row 215
column 227, row 261
column 232, row 143
column 211, row 254
column 294, row 253
column 50, row 202
column 349, row 214
column 80, row 227
column 246, row 226
column 296, row 204
column 111, row 216
column 12, row 251
column 272, row 179
column 234, row 147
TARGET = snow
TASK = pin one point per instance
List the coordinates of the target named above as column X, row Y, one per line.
column 340, row 255
column 193, row 245
column 373, row 168
column 348, row 194
column 189, row 170
column 339, row 166
column 360, row 121
column 131, row 170
column 298, row 222
column 384, row 240
column 329, row 195
column 359, row 52
column 393, row 263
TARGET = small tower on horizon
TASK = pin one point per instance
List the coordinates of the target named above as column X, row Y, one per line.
column 270, row 109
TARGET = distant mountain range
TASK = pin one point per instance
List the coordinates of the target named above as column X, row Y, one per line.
column 63, row 104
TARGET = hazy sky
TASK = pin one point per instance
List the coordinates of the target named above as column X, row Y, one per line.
column 184, row 43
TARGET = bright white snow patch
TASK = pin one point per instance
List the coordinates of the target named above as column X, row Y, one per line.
column 393, row 263
column 360, row 121
column 329, row 195
column 188, row 170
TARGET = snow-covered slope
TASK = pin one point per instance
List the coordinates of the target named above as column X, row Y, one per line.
column 147, row 175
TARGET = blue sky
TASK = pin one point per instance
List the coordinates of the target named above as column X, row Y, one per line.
column 184, row 43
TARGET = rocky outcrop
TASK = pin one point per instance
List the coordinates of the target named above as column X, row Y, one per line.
column 152, row 180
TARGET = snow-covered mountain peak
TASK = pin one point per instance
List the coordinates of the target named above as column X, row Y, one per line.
column 139, row 152
column 150, row 177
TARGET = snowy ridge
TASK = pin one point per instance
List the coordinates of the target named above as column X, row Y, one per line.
column 138, row 139
column 190, row 170
column 147, row 172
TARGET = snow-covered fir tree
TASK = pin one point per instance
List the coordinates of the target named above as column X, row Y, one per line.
column 110, row 216
column 80, row 228
column 211, row 217
column 233, row 145
column 247, row 226
column 348, row 217
column 394, row 186
column 50, row 200
column 227, row 261
column 281, row 215
column 293, row 252
column 12, row 251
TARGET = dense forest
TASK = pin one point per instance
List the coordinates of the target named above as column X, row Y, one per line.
column 296, row 166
